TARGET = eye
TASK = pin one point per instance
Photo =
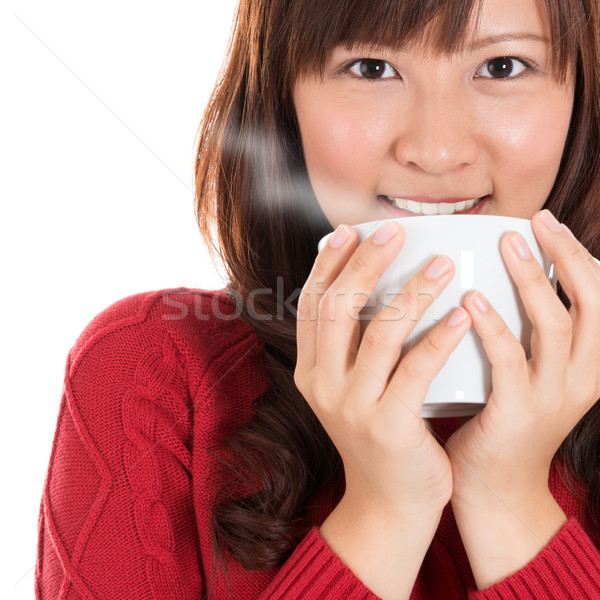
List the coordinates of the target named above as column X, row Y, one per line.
column 371, row 68
column 503, row 67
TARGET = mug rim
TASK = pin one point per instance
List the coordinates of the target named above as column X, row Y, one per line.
column 518, row 222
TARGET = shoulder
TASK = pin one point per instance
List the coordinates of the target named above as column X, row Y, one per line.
column 198, row 329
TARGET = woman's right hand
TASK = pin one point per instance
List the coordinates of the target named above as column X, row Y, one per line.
column 367, row 400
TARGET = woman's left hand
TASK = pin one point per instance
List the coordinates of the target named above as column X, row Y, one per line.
column 504, row 453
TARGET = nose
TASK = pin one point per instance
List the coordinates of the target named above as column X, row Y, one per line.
column 437, row 134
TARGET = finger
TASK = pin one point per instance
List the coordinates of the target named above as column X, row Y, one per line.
column 579, row 277
column 328, row 265
column 408, row 385
column 594, row 262
column 551, row 322
column 338, row 326
column 382, row 341
column 510, row 374
column 572, row 262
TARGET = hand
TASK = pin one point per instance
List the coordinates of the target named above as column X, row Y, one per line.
column 368, row 402
column 503, row 454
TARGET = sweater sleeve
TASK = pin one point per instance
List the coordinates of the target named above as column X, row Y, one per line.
column 568, row 567
column 117, row 517
column 314, row 572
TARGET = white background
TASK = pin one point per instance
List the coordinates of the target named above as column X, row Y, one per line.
column 99, row 108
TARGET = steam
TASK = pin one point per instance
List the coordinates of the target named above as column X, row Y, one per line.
column 276, row 172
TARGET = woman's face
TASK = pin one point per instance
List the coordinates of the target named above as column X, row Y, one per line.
column 399, row 132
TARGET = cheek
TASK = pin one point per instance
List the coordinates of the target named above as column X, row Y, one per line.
column 340, row 144
column 529, row 144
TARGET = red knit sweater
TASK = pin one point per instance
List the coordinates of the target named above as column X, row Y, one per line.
column 151, row 384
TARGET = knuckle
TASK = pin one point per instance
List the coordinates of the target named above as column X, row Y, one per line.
column 408, row 297
column 358, row 263
column 319, row 270
column 410, row 366
column 310, row 296
column 539, row 278
column 573, row 252
column 418, row 289
column 515, row 359
column 327, row 307
column 374, row 338
column 305, row 302
column 320, row 286
column 409, row 292
column 314, row 288
column 430, row 346
column 499, row 330
column 561, row 327
column 413, row 300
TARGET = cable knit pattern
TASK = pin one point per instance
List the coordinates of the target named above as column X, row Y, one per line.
column 152, row 378
column 152, row 384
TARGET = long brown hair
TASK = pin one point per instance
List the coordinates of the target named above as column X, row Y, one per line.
column 259, row 215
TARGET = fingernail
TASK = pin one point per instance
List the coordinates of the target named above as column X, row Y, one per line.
column 457, row 317
column 550, row 222
column 520, row 246
column 480, row 303
column 385, row 233
column 438, row 268
column 339, row 237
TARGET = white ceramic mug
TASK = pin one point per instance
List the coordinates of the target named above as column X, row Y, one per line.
column 463, row 385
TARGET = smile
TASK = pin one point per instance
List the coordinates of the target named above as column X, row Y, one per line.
column 433, row 208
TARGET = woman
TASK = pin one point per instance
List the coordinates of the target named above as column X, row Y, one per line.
column 229, row 445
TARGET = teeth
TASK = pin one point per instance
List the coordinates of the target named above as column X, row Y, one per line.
column 430, row 209
column 446, row 208
column 413, row 206
column 433, row 208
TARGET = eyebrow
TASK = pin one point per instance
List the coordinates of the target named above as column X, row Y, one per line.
column 506, row 37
